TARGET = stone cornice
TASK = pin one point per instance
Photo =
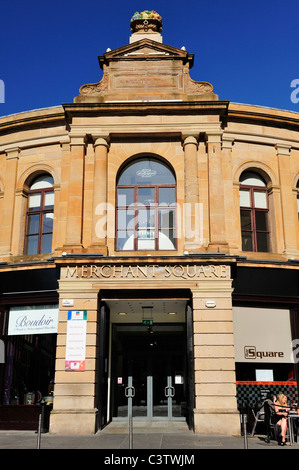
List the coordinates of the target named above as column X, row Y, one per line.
column 124, row 52
column 265, row 139
column 59, row 138
column 267, row 116
column 175, row 107
column 32, row 119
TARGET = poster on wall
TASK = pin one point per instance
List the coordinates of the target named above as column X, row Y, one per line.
column 76, row 341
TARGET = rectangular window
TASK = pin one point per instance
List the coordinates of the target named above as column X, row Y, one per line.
column 39, row 222
column 146, row 218
column 260, row 200
column 244, row 198
column 254, row 219
column 32, row 245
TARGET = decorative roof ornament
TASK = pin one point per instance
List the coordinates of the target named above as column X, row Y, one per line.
column 146, row 21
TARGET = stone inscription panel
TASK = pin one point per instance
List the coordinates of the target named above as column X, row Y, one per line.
column 142, row 81
column 148, row 271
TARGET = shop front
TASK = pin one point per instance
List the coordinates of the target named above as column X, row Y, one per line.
column 150, row 376
column 264, row 359
column 29, row 320
column 157, row 343
column 265, row 313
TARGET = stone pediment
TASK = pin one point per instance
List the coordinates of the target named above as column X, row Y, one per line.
column 146, row 71
column 145, row 49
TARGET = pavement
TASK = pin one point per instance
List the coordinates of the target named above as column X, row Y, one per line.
column 152, row 438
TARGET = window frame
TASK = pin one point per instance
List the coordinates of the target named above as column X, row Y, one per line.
column 252, row 211
column 156, row 207
column 41, row 212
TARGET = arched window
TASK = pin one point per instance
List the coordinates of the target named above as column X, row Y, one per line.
column 146, row 206
column 254, row 208
column 40, row 215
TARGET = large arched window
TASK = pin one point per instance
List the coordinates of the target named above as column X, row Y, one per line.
column 146, row 206
column 254, row 208
column 40, row 215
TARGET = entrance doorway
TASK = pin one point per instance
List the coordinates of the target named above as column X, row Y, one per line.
column 149, row 365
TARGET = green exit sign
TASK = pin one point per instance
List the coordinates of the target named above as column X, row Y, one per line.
column 147, row 321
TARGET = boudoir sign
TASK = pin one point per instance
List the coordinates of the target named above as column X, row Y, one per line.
column 33, row 320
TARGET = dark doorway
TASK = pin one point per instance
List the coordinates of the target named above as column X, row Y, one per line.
column 153, row 361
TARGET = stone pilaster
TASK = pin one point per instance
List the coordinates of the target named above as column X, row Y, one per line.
column 214, row 359
column 74, row 408
column 75, row 194
column 8, row 203
column 99, row 211
column 64, row 189
column 288, row 208
column 191, row 210
column 216, row 193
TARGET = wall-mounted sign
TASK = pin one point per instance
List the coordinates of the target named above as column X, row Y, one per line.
column 76, row 340
column 33, row 320
column 149, row 271
column 67, row 302
column 147, row 321
column 255, row 335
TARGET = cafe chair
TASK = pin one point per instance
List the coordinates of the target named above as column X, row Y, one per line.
column 259, row 417
column 272, row 429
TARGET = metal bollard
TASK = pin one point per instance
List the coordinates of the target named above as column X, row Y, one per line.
column 244, row 422
column 245, row 431
column 43, row 416
column 130, row 432
column 130, row 393
column 39, row 431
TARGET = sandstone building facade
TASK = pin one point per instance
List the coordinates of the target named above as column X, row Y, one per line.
column 149, row 245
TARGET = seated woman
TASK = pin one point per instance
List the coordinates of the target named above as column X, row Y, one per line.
column 281, row 416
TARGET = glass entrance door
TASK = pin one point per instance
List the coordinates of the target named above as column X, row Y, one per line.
column 169, row 387
column 149, row 374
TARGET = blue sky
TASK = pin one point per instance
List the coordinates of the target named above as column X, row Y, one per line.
column 247, row 50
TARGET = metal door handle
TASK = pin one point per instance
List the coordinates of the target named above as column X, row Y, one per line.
column 169, row 391
column 130, row 392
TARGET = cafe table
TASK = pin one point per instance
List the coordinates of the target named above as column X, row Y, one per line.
column 292, row 417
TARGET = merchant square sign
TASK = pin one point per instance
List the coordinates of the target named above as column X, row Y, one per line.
column 148, row 271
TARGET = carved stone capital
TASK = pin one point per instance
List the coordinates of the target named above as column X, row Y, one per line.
column 77, row 139
column 190, row 139
column 12, row 153
column 283, row 149
column 101, row 140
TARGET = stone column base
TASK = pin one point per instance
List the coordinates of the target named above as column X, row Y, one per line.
column 73, row 421
column 222, row 423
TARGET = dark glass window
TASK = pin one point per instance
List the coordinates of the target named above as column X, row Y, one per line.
column 40, row 215
column 254, row 209
column 146, row 207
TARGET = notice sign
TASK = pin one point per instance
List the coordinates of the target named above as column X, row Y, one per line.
column 33, row 320
column 76, row 340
